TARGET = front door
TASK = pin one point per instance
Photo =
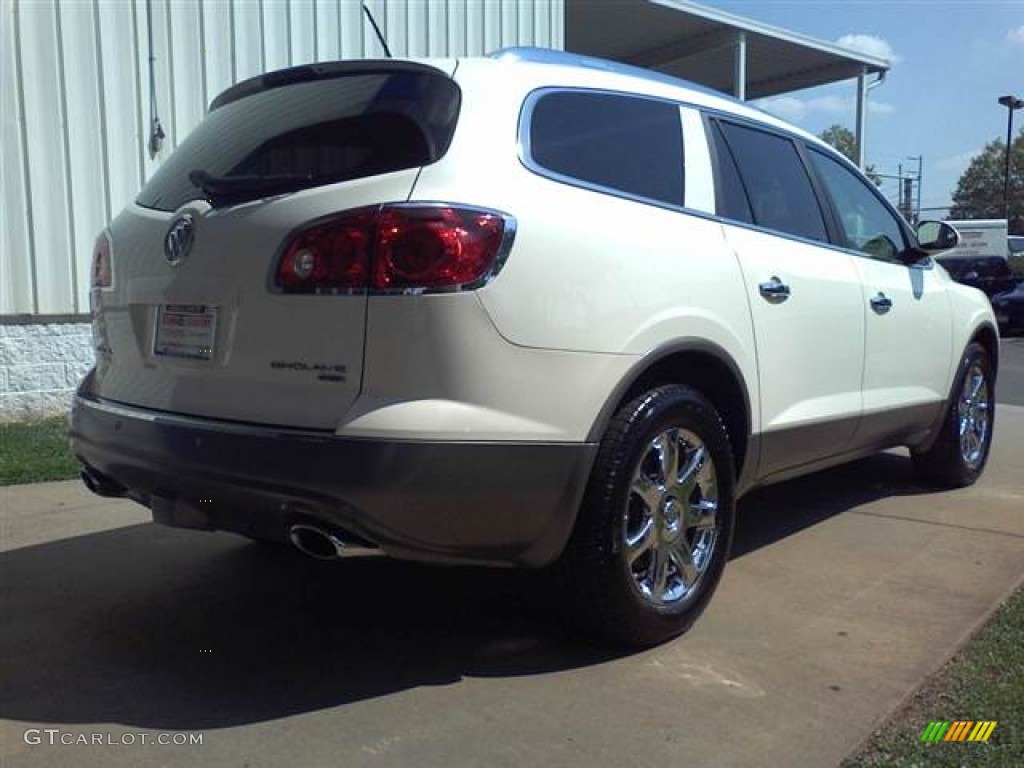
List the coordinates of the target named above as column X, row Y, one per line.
column 908, row 323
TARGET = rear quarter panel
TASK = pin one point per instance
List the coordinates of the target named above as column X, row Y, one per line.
column 589, row 272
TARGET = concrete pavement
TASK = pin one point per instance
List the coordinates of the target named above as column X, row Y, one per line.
column 846, row 589
column 1010, row 383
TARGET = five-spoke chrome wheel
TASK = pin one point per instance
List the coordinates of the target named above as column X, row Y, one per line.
column 975, row 416
column 669, row 527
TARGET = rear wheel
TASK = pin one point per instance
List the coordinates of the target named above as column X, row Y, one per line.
column 961, row 450
column 653, row 533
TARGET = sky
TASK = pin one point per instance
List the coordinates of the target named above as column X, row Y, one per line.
column 951, row 61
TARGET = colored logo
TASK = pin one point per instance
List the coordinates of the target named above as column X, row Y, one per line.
column 178, row 241
column 959, row 730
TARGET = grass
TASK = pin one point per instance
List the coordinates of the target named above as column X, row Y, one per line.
column 35, row 452
column 984, row 681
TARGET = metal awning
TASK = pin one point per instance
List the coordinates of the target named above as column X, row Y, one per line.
column 730, row 53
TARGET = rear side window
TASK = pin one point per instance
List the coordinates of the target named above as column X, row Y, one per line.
column 619, row 143
column 308, row 134
column 777, row 185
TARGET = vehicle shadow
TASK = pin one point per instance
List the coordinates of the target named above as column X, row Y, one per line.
column 769, row 514
column 177, row 630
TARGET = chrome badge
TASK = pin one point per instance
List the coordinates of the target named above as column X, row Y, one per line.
column 178, row 241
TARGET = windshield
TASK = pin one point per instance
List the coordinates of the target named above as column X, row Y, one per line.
column 309, row 134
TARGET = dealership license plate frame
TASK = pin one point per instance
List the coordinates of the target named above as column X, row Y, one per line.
column 182, row 337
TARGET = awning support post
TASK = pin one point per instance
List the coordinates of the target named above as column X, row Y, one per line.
column 739, row 68
column 862, row 98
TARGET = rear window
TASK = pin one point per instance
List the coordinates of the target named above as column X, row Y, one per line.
column 615, row 142
column 310, row 134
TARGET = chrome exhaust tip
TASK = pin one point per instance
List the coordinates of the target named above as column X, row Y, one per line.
column 102, row 485
column 316, row 542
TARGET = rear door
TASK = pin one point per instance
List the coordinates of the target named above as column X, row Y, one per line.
column 193, row 323
column 805, row 298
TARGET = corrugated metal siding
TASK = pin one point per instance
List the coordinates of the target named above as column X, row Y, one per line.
column 75, row 99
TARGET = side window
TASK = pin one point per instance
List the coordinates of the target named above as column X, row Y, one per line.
column 731, row 202
column 778, row 187
column 868, row 225
column 622, row 143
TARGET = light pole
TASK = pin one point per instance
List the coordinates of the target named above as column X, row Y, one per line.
column 1011, row 103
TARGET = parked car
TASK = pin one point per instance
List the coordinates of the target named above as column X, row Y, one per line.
column 528, row 310
column 989, row 274
column 1015, row 243
column 1009, row 309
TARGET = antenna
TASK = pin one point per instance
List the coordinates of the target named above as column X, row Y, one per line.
column 376, row 29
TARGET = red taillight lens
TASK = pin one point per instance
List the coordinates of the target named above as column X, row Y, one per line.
column 435, row 247
column 328, row 258
column 395, row 248
column 102, row 274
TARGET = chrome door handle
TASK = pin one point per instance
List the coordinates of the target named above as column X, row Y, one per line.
column 774, row 290
column 881, row 303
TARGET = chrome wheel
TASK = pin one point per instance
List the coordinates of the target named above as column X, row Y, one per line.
column 975, row 416
column 670, row 524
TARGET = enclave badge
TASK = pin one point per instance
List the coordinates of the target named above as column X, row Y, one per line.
column 178, row 241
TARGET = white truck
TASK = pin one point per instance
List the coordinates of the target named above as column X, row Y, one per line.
column 979, row 238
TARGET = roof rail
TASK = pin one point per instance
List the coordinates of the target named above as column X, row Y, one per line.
column 566, row 59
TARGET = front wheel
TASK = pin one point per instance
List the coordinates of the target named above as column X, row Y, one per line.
column 654, row 530
column 961, row 450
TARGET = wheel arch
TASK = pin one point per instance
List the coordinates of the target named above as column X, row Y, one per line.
column 709, row 369
column 988, row 337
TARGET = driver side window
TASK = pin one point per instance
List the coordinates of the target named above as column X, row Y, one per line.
column 867, row 224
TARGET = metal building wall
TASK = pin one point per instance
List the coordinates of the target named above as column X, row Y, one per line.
column 75, row 100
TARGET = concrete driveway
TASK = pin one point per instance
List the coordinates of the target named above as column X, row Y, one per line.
column 845, row 590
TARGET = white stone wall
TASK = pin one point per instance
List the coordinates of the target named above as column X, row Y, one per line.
column 40, row 366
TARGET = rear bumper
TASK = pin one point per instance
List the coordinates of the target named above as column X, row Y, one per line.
column 491, row 503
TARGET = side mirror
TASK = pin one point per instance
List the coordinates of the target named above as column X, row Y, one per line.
column 936, row 236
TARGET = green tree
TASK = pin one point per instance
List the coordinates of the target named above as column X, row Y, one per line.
column 979, row 192
column 842, row 139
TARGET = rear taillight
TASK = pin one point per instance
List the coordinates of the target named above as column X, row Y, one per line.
column 332, row 257
column 102, row 276
column 396, row 248
column 435, row 247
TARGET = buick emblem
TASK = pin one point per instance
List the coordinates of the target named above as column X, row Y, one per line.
column 178, row 241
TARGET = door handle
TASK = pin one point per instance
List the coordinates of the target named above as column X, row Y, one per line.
column 881, row 303
column 774, row 290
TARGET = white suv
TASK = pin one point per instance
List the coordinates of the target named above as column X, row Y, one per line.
column 533, row 309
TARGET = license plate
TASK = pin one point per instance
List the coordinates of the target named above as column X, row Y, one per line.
column 185, row 330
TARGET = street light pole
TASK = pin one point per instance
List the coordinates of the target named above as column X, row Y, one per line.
column 1011, row 103
column 917, row 206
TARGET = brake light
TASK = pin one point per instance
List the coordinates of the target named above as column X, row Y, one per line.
column 101, row 272
column 396, row 248
column 435, row 247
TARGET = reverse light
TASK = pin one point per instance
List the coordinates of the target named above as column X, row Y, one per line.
column 402, row 248
column 101, row 273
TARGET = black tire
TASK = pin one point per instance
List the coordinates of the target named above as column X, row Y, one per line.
column 604, row 593
column 947, row 463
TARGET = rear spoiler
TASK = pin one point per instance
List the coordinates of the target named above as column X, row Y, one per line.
column 321, row 71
